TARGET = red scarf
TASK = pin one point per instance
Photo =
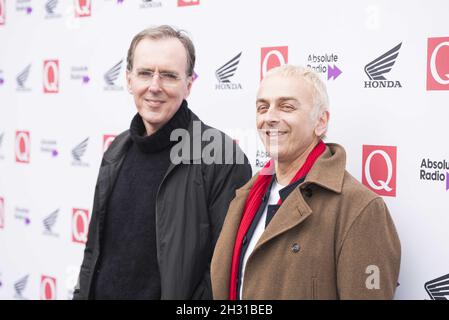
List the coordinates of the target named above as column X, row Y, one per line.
column 253, row 202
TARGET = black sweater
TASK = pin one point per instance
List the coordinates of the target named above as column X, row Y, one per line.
column 128, row 267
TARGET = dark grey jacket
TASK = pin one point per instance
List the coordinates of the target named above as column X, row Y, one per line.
column 191, row 205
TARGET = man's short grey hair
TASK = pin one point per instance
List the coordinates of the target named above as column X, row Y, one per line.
column 319, row 91
column 163, row 32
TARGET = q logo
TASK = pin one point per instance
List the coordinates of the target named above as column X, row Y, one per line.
column 23, row 146
column 48, row 288
column 51, row 76
column 83, row 8
column 379, row 169
column 272, row 57
column 438, row 63
column 80, row 225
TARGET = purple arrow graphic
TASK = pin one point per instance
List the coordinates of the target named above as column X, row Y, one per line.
column 29, row 10
column 2, row 81
column 86, row 79
column 333, row 72
column 27, row 221
column 119, row 1
column 447, row 181
column 54, row 153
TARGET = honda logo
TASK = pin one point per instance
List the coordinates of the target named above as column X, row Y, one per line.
column 379, row 169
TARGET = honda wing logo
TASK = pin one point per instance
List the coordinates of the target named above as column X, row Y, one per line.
column 20, row 286
column 376, row 69
column 438, row 289
column 111, row 76
column 50, row 221
column 22, row 77
column 79, row 151
column 228, row 70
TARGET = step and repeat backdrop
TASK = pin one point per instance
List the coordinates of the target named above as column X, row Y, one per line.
column 63, row 99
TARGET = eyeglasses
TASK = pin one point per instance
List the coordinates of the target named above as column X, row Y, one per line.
column 166, row 78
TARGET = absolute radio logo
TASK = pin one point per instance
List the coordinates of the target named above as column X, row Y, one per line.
column 107, row 140
column 2, row 12
column 226, row 72
column 51, row 76
column 23, row 214
column 24, row 6
column 48, row 288
column 438, row 63
column 2, row 213
column 50, row 146
column 80, row 225
column 23, row 146
column 379, row 169
column 324, row 64
column 83, row 8
column 379, row 67
column 185, row 3
column 272, row 57
column 435, row 170
column 80, row 74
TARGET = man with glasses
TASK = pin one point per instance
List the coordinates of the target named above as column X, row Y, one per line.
column 155, row 221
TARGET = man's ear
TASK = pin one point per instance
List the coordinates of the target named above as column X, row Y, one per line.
column 128, row 81
column 189, row 85
column 321, row 126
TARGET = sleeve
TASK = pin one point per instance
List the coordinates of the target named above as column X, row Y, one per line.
column 369, row 260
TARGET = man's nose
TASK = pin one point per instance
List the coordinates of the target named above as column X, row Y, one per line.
column 155, row 83
column 272, row 115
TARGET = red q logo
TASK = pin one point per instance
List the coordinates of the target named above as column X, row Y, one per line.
column 82, row 8
column 107, row 140
column 272, row 57
column 2, row 213
column 438, row 63
column 379, row 169
column 184, row 3
column 23, row 145
column 80, row 225
column 48, row 288
column 51, row 76
column 2, row 12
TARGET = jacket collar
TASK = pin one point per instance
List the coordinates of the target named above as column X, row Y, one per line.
column 118, row 150
column 328, row 171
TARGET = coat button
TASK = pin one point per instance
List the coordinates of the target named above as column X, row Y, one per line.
column 308, row 192
column 296, row 248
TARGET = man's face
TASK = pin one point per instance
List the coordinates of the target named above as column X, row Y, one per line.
column 157, row 97
column 285, row 116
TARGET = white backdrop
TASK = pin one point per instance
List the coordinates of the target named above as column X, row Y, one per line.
column 61, row 82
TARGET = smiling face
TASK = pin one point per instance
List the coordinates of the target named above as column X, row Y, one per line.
column 158, row 100
column 286, row 118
